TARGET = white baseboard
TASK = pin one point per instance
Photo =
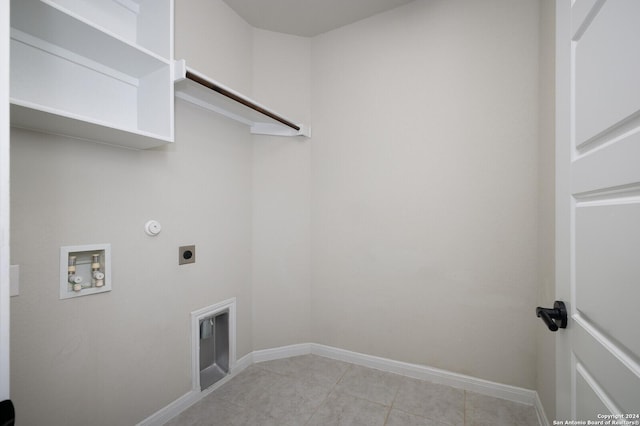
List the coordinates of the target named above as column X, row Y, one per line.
column 281, row 352
column 165, row 414
column 242, row 363
column 436, row 375
column 542, row 416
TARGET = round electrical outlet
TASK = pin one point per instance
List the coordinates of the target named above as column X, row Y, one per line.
column 186, row 254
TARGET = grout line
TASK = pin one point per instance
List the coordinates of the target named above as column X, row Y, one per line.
column 362, row 398
column 464, row 409
column 320, row 405
column 327, row 396
column 277, row 373
column 343, row 374
column 317, row 409
column 386, row 419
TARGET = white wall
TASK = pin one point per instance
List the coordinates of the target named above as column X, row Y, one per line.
column 215, row 41
column 407, row 227
column 545, row 366
column 281, row 195
column 424, row 167
column 116, row 358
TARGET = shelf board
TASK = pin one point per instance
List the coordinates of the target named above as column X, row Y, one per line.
column 45, row 20
column 207, row 93
column 28, row 116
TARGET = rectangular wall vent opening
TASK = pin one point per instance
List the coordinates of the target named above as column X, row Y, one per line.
column 213, row 343
column 214, row 349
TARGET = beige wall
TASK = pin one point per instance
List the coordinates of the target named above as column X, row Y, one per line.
column 118, row 357
column 281, row 195
column 424, row 187
column 411, row 226
column 545, row 366
column 215, row 41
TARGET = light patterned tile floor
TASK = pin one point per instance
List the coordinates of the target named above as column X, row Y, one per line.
column 311, row 390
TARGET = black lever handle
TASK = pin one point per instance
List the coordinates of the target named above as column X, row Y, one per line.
column 551, row 316
column 544, row 314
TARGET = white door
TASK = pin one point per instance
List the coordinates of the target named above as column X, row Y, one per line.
column 4, row 200
column 598, row 207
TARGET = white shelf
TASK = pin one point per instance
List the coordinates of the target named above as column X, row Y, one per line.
column 58, row 26
column 144, row 24
column 207, row 93
column 73, row 76
column 59, row 123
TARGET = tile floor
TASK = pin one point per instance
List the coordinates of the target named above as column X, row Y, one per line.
column 311, row 390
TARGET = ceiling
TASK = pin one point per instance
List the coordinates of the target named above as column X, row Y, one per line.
column 308, row 17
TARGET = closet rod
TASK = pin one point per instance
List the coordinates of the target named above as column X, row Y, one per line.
column 239, row 99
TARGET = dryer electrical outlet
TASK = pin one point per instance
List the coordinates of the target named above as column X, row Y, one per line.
column 186, row 254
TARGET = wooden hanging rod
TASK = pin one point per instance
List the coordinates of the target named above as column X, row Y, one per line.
column 245, row 102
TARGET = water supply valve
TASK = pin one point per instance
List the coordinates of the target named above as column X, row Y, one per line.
column 85, row 270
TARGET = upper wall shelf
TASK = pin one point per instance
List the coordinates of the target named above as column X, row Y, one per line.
column 207, row 93
column 103, row 70
column 94, row 69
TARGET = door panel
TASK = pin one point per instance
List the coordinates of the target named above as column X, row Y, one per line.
column 608, row 267
column 589, row 403
column 4, row 201
column 598, row 206
column 582, row 13
column 619, row 160
column 606, row 89
column 607, row 365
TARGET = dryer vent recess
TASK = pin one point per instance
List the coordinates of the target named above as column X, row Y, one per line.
column 186, row 254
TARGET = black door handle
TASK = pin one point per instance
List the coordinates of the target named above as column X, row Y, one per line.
column 7, row 413
column 551, row 316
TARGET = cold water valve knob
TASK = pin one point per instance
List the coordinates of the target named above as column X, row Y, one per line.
column 72, row 278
